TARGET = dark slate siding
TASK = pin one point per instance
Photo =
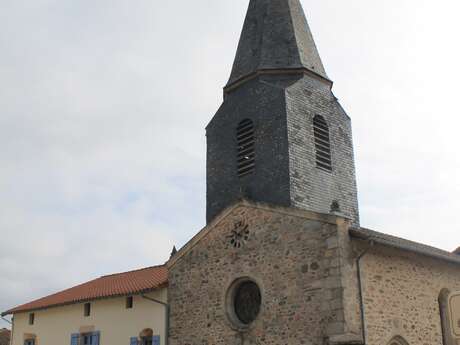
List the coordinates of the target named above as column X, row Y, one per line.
column 282, row 108
column 264, row 104
column 312, row 188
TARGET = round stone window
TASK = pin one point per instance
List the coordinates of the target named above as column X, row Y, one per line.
column 244, row 302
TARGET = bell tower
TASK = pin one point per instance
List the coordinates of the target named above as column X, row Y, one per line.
column 280, row 136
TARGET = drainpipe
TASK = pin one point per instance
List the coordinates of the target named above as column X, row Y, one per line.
column 360, row 284
column 166, row 306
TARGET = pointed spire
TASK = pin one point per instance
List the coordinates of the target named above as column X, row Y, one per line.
column 275, row 36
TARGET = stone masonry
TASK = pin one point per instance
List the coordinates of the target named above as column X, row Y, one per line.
column 401, row 293
column 290, row 228
column 298, row 259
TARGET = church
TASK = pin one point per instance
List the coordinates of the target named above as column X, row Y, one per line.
column 283, row 258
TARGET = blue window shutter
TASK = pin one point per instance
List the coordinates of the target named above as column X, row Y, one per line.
column 74, row 339
column 133, row 341
column 156, row 340
column 95, row 338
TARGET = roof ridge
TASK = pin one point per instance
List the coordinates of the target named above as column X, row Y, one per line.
column 131, row 271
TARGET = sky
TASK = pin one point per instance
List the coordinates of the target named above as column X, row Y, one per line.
column 103, row 106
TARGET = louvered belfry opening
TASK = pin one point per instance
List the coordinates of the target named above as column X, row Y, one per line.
column 322, row 143
column 246, row 144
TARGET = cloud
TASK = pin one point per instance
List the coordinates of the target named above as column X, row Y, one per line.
column 103, row 107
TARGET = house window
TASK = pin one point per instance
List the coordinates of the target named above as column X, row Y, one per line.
column 31, row 318
column 322, row 143
column 147, row 341
column 146, row 337
column 86, row 339
column 129, row 302
column 245, row 148
column 87, row 309
column 153, row 340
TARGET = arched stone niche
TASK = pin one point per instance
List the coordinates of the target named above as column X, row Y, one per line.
column 398, row 341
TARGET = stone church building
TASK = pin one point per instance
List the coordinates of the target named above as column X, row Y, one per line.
column 283, row 259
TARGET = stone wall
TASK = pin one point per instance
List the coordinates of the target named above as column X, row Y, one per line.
column 401, row 291
column 295, row 257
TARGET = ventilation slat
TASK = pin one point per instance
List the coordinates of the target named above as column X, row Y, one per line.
column 324, row 160
column 323, row 150
column 324, row 166
column 322, row 126
column 325, row 144
column 249, row 140
column 245, row 157
column 246, row 143
column 244, row 173
column 246, row 166
column 244, row 161
column 246, row 169
column 245, row 135
column 246, row 152
column 323, row 155
column 322, row 136
column 245, row 123
column 322, row 143
column 245, row 127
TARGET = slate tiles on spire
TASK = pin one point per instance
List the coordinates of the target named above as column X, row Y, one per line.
column 275, row 36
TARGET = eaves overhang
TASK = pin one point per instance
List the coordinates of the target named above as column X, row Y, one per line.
column 403, row 244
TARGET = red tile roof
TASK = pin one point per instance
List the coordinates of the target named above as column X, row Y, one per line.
column 121, row 284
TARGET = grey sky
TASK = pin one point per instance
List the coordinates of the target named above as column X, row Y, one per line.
column 103, row 106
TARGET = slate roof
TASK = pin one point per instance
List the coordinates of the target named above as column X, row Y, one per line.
column 275, row 35
column 400, row 243
column 115, row 285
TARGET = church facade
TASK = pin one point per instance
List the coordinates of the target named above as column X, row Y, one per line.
column 283, row 258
